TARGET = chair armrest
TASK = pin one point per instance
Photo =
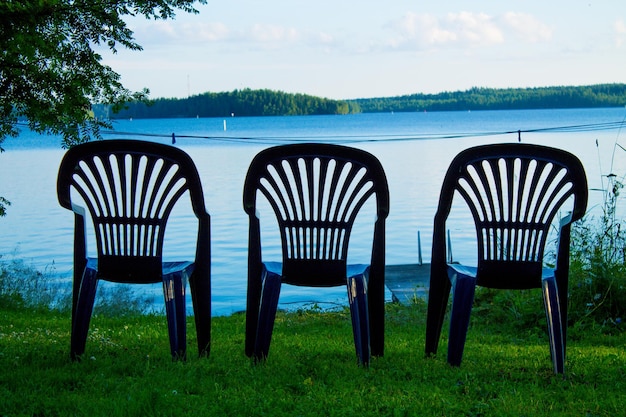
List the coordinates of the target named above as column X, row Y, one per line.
column 376, row 289
column 254, row 244
column 255, row 282
column 80, row 238
column 80, row 254
column 562, row 254
column 203, row 246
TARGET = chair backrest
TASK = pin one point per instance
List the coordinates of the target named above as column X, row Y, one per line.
column 129, row 188
column 514, row 191
column 316, row 192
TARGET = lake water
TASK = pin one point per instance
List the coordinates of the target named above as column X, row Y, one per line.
column 414, row 149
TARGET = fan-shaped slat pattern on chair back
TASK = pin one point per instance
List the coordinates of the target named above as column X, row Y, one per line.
column 316, row 200
column 513, row 202
column 129, row 197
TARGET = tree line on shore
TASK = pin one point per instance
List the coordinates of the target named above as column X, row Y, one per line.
column 600, row 95
column 248, row 102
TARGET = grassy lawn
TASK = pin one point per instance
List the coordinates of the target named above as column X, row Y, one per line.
column 311, row 370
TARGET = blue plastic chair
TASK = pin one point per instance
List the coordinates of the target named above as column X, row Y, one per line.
column 129, row 188
column 514, row 192
column 316, row 192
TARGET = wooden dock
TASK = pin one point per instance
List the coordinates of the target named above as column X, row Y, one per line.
column 407, row 282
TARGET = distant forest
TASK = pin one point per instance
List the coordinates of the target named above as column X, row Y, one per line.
column 245, row 102
column 249, row 102
column 601, row 95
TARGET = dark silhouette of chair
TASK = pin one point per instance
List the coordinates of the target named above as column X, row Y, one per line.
column 129, row 188
column 514, row 192
column 316, row 192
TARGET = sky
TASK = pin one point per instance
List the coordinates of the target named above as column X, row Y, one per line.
column 347, row 49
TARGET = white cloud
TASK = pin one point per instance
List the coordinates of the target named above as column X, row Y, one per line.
column 256, row 35
column 272, row 34
column 208, row 31
column 475, row 28
column 620, row 32
column 419, row 30
column 325, row 38
column 465, row 29
column 170, row 31
column 423, row 31
column 527, row 27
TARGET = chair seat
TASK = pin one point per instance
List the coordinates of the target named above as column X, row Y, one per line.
column 353, row 270
column 472, row 271
column 356, row 283
column 463, row 283
column 174, row 277
column 170, row 268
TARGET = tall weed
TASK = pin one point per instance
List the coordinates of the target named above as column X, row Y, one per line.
column 22, row 286
column 597, row 271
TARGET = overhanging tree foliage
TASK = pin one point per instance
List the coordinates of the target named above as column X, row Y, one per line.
column 50, row 74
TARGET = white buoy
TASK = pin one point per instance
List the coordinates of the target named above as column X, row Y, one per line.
column 224, row 125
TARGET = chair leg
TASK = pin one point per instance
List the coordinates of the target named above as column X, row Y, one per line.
column 555, row 324
column 180, row 284
column 82, row 311
column 376, row 313
column 438, row 295
column 267, row 316
column 200, row 287
column 253, row 303
column 357, row 297
column 174, row 302
column 462, row 300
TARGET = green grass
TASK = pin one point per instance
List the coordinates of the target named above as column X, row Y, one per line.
column 312, row 370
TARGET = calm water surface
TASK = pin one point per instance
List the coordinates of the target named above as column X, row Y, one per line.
column 414, row 148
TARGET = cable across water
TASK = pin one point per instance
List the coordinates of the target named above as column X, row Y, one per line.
column 592, row 127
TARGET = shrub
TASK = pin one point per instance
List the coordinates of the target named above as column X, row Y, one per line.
column 23, row 286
